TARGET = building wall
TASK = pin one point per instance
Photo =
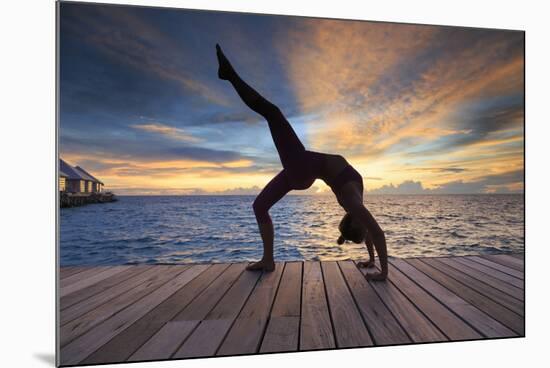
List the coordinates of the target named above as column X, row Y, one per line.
column 97, row 187
column 73, row 186
column 80, row 186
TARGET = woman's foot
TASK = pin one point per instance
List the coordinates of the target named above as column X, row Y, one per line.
column 377, row 276
column 262, row 265
column 366, row 264
column 225, row 70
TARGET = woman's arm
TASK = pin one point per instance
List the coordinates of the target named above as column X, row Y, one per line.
column 350, row 198
column 377, row 236
column 370, row 248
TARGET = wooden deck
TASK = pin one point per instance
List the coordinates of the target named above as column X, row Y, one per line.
column 152, row 312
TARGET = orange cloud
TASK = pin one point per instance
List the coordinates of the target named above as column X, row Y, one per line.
column 376, row 92
column 172, row 132
column 344, row 71
column 349, row 75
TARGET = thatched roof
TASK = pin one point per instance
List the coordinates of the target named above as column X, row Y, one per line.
column 92, row 178
column 69, row 171
column 75, row 173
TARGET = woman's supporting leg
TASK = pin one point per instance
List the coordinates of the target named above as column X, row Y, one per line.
column 271, row 194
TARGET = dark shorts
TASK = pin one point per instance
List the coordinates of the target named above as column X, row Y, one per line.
column 346, row 175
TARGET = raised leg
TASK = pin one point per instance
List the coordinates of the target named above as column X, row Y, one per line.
column 286, row 141
column 271, row 194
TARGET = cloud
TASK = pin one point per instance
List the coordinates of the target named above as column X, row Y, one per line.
column 145, row 149
column 440, row 169
column 248, row 191
column 204, row 170
column 141, row 101
column 391, row 84
column 172, row 132
column 128, row 38
column 254, row 190
column 230, row 117
column 153, row 169
column 407, row 187
column 501, row 183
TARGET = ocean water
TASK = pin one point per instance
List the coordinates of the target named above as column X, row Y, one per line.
column 198, row 229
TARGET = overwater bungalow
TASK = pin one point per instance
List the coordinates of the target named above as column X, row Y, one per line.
column 78, row 187
column 77, row 180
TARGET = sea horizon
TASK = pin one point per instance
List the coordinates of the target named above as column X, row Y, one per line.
column 311, row 195
column 176, row 229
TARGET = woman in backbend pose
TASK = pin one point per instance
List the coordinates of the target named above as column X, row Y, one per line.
column 300, row 169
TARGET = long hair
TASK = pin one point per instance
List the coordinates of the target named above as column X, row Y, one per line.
column 349, row 232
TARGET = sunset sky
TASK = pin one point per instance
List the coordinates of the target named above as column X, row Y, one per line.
column 415, row 109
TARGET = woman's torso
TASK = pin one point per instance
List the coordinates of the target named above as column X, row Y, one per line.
column 333, row 166
column 310, row 166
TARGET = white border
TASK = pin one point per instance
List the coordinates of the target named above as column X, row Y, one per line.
column 27, row 189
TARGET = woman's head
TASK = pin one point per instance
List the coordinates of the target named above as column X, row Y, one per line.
column 350, row 230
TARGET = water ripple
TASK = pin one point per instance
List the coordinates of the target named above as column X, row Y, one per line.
column 172, row 229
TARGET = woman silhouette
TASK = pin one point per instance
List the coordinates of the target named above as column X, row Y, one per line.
column 300, row 169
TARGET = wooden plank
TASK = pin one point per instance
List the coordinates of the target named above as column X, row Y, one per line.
column 490, row 292
column 284, row 323
column 121, row 347
column 315, row 326
column 505, row 260
column 497, row 266
column 349, row 327
column 288, row 300
column 246, row 334
column 417, row 326
column 383, row 326
column 163, row 343
column 93, row 279
column 449, row 323
column 505, row 316
column 233, row 301
column 101, row 286
column 88, row 272
column 518, row 256
column 491, row 272
column 78, row 349
column 281, row 335
column 115, row 298
column 65, row 272
column 483, row 277
column 480, row 321
column 212, row 314
column 207, row 337
column 203, row 304
column 76, row 327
